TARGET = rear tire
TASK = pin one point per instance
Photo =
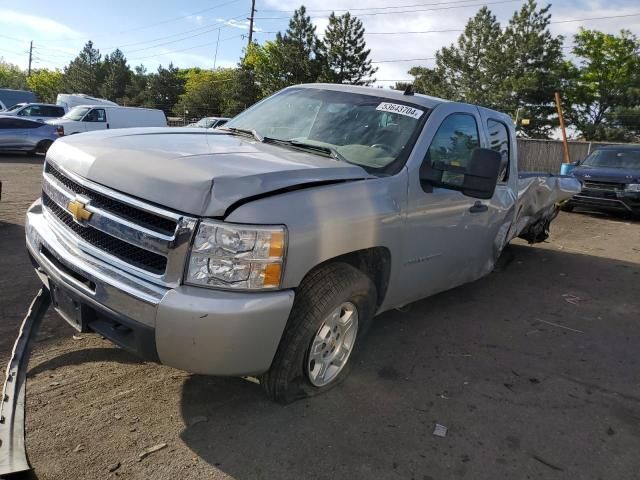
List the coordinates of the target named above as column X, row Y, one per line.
column 329, row 299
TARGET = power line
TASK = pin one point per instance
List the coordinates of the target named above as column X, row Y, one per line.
column 179, row 18
column 211, row 27
column 373, row 8
column 188, row 48
column 406, row 11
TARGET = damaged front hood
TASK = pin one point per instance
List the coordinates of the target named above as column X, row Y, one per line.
column 193, row 171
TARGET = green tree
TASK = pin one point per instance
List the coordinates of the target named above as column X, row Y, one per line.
column 206, row 93
column 11, row 76
column 532, row 69
column 46, row 84
column 137, row 91
column 346, row 51
column 603, row 88
column 244, row 91
column 84, row 73
column 292, row 58
column 164, row 88
column 470, row 70
column 117, row 76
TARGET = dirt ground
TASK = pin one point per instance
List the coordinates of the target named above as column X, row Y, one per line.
column 534, row 371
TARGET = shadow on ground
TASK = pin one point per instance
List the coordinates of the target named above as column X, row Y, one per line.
column 533, row 370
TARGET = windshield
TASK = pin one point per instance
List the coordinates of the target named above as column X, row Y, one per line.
column 76, row 113
column 362, row 129
column 611, row 158
column 205, row 122
column 16, row 107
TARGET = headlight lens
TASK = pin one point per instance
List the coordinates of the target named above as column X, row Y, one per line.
column 633, row 187
column 237, row 256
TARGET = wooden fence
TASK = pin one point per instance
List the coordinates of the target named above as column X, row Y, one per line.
column 547, row 155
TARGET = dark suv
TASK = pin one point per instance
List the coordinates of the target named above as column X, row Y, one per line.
column 610, row 178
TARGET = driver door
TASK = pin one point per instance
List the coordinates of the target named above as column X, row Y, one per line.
column 442, row 238
column 95, row 119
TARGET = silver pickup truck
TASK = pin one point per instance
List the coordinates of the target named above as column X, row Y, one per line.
column 265, row 248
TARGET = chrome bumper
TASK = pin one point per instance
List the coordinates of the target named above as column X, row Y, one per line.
column 194, row 329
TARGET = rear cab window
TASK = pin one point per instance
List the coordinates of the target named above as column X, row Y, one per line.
column 499, row 141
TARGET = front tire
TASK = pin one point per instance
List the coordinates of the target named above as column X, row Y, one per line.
column 42, row 147
column 331, row 314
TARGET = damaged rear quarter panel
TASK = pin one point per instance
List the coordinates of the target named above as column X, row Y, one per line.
column 327, row 221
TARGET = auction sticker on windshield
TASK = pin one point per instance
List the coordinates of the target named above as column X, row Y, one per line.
column 400, row 109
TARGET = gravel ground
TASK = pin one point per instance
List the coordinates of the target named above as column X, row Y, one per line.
column 533, row 370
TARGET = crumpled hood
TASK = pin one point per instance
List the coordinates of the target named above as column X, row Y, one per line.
column 192, row 170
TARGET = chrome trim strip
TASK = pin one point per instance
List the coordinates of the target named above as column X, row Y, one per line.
column 109, row 223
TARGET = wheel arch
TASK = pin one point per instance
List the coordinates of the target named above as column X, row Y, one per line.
column 375, row 262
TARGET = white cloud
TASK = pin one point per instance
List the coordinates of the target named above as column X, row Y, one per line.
column 197, row 19
column 40, row 25
column 243, row 25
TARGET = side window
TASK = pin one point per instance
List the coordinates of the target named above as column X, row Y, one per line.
column 452, row 145
column 25, row 112
column 27, row 124
column 499, row 141
column 96, row 115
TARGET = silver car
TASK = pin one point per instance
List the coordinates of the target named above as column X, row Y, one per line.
column 24, row 135
column 37, row 111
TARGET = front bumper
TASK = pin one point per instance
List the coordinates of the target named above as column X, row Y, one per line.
column 607, row 200
column 194, row 329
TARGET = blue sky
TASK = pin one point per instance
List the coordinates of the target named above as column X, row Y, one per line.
column 186, row 32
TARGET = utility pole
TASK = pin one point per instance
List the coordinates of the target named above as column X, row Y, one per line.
column 567, row 158
column 30, row 57
column 253, row 11
column 215, row 57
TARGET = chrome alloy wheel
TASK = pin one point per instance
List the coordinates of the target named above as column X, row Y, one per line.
column 332, row 345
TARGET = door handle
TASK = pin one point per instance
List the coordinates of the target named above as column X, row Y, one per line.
column 478, row 207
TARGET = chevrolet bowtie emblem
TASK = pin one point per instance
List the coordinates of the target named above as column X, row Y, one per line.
column 77, row 210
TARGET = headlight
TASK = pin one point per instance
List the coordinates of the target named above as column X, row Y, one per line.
column 243, row 257
column 633, row 187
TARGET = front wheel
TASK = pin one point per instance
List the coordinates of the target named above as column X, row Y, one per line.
column 42, row 147
column 330, row 316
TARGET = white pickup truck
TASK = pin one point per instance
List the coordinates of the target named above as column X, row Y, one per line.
column 266, row 248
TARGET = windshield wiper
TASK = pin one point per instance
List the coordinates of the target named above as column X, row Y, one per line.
column 244, row 131
column 322, row 149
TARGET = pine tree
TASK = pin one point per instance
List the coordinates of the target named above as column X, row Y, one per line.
column 117, row 76
column 164, row 88
column 293, row 57
column 84, row 73
column 346, row 52
column 532, row 69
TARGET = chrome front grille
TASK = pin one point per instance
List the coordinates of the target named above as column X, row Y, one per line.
column 136, row 256
column 137, row 237
column 148, row 220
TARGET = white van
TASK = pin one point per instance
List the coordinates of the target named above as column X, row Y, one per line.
column 87, row 118
column 71, row 100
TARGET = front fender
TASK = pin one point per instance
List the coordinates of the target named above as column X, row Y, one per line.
column 327, row 221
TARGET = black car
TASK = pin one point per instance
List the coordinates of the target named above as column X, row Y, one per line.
column 610, row 178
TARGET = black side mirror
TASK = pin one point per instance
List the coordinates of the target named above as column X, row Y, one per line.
column 477, row 179
column 481, row 176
